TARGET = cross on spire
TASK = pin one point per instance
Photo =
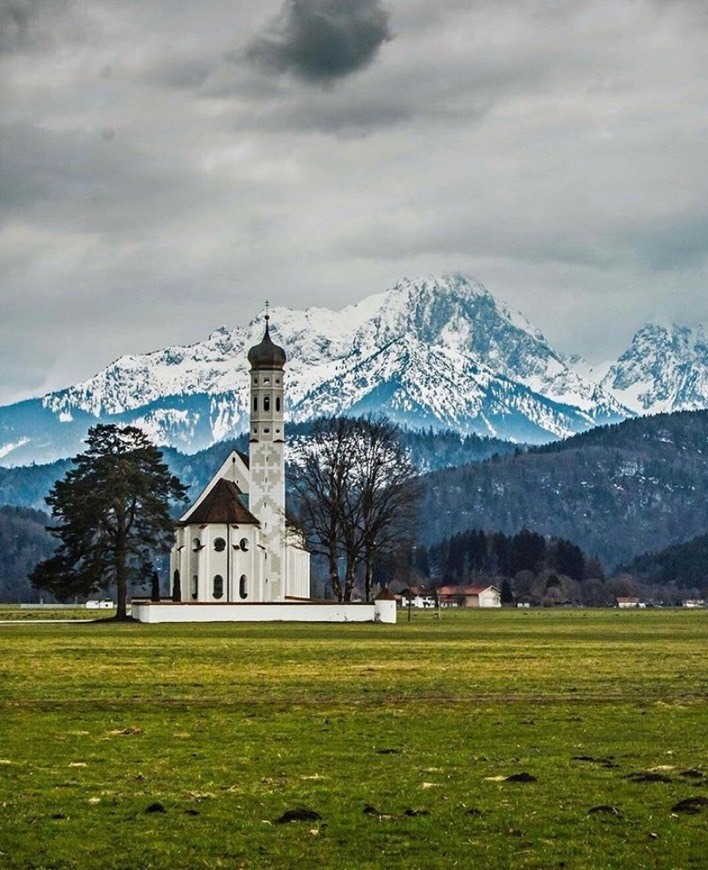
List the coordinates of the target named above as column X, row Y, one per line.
column 267, row 307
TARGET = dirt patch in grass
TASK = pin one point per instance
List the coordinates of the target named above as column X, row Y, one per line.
column 648, row 776
column 299, row 814
column 692, row 805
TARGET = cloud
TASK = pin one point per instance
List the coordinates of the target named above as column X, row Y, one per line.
column 157, row 183
column 16, row 19
column 321, row 41
column 27, row 24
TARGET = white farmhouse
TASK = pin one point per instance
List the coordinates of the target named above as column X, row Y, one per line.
column 470, row 596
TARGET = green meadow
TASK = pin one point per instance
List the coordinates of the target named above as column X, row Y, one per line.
column 537, row 739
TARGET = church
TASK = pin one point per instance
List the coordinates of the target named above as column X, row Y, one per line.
column 237, row 556
column 235, row 543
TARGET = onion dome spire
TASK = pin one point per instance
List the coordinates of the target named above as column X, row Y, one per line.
column 266, row 355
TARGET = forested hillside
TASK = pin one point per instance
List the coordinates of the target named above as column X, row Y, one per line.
column 530, row 568
column 23, row 542
column 616, row 492
column 28, row 485
column 681, row 565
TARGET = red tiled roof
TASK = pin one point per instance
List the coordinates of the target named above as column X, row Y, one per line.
column 222, row 505
column 385, row 595
column 423, row 591
column 464, row 590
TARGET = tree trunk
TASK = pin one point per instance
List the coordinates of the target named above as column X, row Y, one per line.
column 368, row 576
column 334, row 576
column 121, row 583
column 349, row 578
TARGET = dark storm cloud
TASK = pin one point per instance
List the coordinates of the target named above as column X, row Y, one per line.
column 15, row 17
column 323, row 40
column 23, row 23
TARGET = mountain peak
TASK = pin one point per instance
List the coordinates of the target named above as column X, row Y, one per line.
column 665, row 368
column 436, row 351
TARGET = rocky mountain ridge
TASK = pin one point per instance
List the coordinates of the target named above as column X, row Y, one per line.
column 436, row 352
column 664, row 369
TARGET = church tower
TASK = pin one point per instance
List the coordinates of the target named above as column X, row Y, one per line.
column 267, row 458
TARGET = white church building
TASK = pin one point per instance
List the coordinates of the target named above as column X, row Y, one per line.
column 237, row 556
column 235, row 543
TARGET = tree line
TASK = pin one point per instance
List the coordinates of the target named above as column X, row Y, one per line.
column 466, row 556
column 24, row 542
column 356, row 493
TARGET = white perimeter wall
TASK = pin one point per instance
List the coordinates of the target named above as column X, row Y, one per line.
column 153, row 612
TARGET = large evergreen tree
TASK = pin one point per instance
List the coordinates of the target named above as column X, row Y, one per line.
column 112, row 516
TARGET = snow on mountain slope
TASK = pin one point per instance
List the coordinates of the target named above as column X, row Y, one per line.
column 438, row 351
column 663, row 369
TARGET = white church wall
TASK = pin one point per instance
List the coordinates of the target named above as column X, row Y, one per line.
column 157, row 612
column 298, row 572
column 385, row 611
column 238, row 561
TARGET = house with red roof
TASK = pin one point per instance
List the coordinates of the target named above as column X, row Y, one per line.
column 470, row 596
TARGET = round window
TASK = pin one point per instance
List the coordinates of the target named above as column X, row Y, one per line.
column 219, row 545
column 243, row 544
column 196, row 545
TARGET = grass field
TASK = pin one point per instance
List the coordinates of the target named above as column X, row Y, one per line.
column 15, row 613
column 399, row 737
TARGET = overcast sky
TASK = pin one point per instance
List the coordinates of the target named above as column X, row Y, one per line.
column 169, row 164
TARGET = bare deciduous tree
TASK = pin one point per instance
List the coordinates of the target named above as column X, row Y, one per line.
column 358, row 492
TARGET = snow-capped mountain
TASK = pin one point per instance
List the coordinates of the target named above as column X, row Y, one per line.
column 663, row 369
column 440, row 352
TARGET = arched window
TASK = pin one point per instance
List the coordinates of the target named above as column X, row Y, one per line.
column 255, row 403
column 219, row 545
column 266, row 403
column 176, row 586
column 242, row 590
column 194, row 587
column 243, row 544
column 218, row 586
column 277, row 403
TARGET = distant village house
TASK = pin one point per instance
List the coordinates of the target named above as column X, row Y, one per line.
column 451, row 596
column 469, row 596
